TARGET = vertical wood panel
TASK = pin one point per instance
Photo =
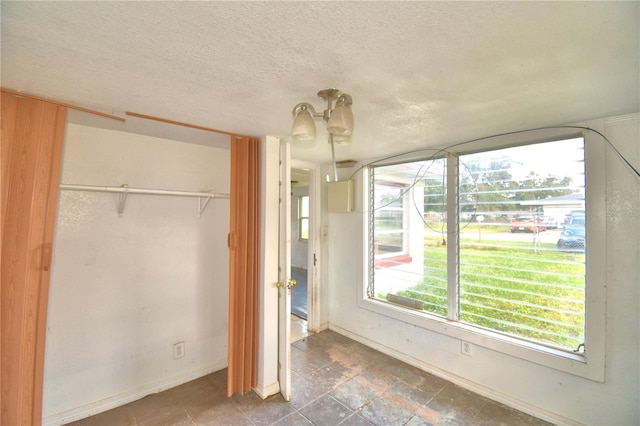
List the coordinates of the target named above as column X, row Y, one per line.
column 244, row 264
column 233, row 270
column 7, row 125
column 29, row 200
column 9, row 111
column 55, row 138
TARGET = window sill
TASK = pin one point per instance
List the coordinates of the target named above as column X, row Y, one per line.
column 572, row 363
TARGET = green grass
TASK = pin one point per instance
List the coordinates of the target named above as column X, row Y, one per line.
column 485, row 229
column 505, row 287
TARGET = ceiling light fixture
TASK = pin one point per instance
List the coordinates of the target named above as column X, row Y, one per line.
column 338, row 116
column 304, row 128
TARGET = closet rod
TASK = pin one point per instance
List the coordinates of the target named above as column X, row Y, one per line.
column 124, row 191
column 129, row 190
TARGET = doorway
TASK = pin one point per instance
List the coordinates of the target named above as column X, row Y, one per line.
column 300, row 237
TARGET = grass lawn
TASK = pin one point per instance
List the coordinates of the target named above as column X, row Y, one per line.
column 506, row 287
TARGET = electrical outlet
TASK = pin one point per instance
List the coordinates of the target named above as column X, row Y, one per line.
column 466, row 348
column 178, row 350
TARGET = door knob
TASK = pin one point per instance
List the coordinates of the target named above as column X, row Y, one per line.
column 289, row 285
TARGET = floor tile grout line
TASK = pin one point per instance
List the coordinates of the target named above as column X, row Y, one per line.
column 348, row 361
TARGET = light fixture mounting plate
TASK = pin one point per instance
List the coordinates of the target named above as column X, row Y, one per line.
column 327, row 94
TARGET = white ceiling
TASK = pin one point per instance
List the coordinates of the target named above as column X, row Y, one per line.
column 420, row 73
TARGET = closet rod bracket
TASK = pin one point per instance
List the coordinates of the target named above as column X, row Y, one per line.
column 202, row 204
column 122, row 199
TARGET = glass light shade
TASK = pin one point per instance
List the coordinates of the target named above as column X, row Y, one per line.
column 341, row 121
column 304, row 128
column 341, row 140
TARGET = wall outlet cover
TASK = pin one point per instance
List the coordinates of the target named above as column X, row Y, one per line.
column 178, row 350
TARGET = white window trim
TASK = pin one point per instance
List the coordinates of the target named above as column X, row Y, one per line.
column 301, row 218
column 591, row 363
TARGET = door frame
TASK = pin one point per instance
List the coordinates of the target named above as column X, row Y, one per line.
column 314, row 253
column 268, row 313
column 284, row 276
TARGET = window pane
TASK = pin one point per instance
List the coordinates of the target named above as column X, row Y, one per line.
column 388, row 222
column 522, row 241
column 304, row 206
column 304, row 229
column 407, row 213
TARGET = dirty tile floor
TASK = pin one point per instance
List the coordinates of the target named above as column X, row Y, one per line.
column 335, row 381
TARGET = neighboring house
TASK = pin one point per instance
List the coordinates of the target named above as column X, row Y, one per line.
column 556, row 207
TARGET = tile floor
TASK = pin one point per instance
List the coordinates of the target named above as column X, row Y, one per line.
column 335, row 381
column 298, row 328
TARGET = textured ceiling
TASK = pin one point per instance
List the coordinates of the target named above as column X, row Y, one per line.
column 420, row 73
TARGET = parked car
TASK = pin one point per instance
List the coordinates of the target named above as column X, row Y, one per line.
column 549, row 222
column 527, row 224
column 572, row 237
column 573, row 213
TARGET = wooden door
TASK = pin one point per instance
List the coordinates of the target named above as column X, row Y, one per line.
column 32, row 138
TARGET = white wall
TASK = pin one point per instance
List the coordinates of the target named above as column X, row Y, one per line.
column 549, row 393
column 125, row 289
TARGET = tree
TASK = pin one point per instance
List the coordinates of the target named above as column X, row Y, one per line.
column 489, row 187
column 535, row 187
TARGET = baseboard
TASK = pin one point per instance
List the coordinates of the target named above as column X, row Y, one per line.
column 265, row 392
column 460, row 381
column 128, row 396
column 324, row 326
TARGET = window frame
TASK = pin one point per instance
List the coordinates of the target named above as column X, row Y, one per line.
column 301, row 217
column 591, row 363
column 402, row 231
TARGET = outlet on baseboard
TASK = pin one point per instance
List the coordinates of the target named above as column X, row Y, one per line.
column 178, row 350
column 466, row 348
